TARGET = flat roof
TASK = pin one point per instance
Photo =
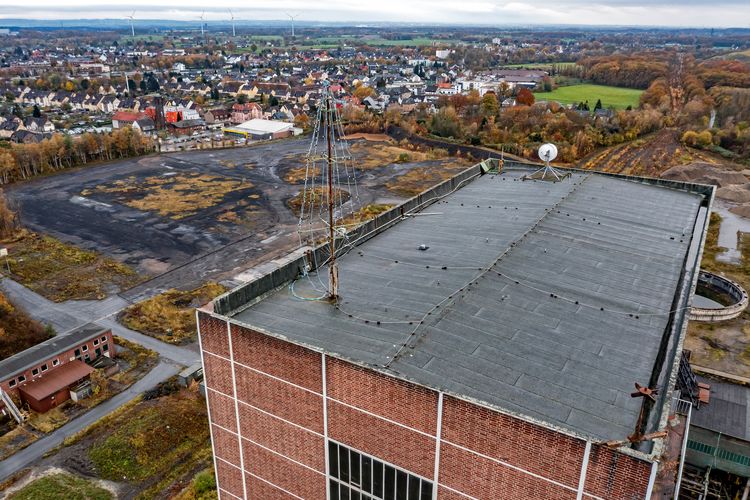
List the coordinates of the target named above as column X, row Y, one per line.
column 48, row 349
column 548, row 300
column 56, row 379
column 260, row 126
column 727, row 410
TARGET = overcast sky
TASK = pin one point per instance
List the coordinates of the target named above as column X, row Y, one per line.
column 697, row 13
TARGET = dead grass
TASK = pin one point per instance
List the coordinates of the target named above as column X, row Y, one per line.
column 419, row 179
column 16, row 439
column 312, row 198
column 369, row 156
column 647, row 156
column 170, row 316
column 364, row 214
column 177, row 196
column 48, row 421
column 59, row 271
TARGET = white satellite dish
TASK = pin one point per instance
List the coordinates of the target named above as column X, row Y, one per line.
column 547, row 152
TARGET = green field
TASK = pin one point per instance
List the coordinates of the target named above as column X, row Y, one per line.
column 617, row 97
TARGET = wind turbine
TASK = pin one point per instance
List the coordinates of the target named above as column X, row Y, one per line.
column 202, row 18
column 293, row 17
column 132, row 29
column 231, row 15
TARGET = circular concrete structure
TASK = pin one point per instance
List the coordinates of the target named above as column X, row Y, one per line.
column 736, row 295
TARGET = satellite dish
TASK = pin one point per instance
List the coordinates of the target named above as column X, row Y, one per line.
column 547, row 152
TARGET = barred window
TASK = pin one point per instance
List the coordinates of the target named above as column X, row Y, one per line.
column 357, row 476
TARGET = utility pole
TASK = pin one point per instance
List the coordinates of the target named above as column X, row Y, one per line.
column 333, row 275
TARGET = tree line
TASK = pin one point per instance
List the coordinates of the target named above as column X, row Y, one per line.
column 59, row 152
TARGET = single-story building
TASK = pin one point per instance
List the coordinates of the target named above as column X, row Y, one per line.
column 44, row 393
column 259, row 129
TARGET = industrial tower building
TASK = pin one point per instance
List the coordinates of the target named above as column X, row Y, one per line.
column 486, row 343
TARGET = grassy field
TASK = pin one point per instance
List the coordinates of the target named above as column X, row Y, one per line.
column 617, row 97
column 65, row 486
column 152, row 443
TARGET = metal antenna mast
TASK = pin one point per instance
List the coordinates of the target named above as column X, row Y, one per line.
column 333, row 275
column 329, row 203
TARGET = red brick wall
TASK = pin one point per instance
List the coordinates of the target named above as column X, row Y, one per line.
column 405, row 403
column 483, row 453
column 614, row 475
column 283, row 452
column 511, row 440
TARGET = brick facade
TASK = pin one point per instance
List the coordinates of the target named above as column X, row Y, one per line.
column 281, row 441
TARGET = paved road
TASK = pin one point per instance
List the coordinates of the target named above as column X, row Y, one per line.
column 67, row 316
column 36, row 450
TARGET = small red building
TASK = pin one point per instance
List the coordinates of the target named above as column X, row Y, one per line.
column 43, row 375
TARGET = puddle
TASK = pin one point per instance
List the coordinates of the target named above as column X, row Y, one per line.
column 730, row 225
column 706, row 303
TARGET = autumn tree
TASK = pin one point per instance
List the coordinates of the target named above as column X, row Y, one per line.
column 446, row 123
column 363, row 92
column 490, row 106
column 525, row 97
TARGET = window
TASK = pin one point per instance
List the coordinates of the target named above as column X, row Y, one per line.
column 96, row 341
column 77, row 353
column 356, row 476
column 35, row 372
column 104, row 339
column 12, row 383
column 86, row 357
column 55, row 362
column 21, row 378
column 44, row 367
column 105, row 347
column 84, row 347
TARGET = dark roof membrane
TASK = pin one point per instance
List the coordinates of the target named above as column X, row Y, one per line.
column 545, row 299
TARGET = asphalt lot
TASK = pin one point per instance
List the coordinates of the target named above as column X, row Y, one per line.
column 188, row 251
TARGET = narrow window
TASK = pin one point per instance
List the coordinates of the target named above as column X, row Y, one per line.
column 96, row 341
column 333, row 460
column 55, row 362
column 35, row 372
column 12, row 383
column 45, row 367
column 85, row 347
column 21, row 378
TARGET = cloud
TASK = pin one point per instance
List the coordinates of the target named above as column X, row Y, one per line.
column 720, row 13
